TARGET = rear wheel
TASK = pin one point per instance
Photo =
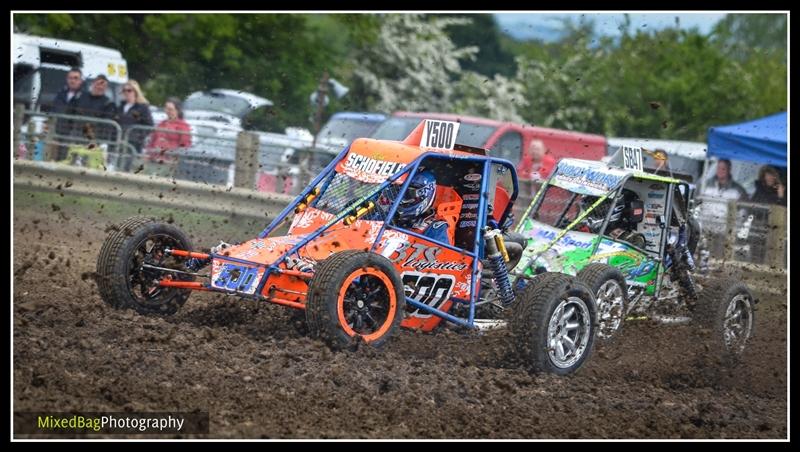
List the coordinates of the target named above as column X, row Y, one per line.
column 611, row 296
column 726, row 310
column 125, row 277
column 553, row 324
column 355, row 295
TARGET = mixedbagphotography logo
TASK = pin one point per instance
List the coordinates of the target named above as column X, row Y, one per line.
column 111, row 423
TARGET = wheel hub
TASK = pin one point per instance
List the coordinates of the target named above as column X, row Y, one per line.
column 609, row 307
column 568, row 332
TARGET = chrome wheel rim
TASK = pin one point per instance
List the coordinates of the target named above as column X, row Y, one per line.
column 568, row 332
column 737, row 324
column 610, row 305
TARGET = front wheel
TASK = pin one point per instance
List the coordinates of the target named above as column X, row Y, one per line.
column 127, row 274
column 355, row 295
column 611, row 296
column 552, row 325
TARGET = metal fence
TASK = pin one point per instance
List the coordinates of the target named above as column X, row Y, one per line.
column 265, row 162
column 69, row 139
column 743, row 231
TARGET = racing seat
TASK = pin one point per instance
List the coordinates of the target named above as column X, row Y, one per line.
column 448, row 207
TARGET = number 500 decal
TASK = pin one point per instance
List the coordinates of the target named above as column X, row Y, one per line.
column 439, row 134
column 427, row 288
column 237, row 277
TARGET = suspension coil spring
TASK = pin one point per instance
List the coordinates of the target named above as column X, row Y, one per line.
column 501, row 278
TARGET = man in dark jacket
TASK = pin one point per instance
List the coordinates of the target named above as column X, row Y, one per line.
column 67, row 99
column 65, row 102
column 95, row 103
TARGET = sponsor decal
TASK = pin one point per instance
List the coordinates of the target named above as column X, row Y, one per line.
column 471, row 205
column 581, row 175
column 472, row 177
column 655, row 206
column 469, row 215
column 467, row 224
column 422, row 257
column 247, row 254
column 307, row 218
column 655, row 195
column 473, row 185
column 471, row 197
column 642, row 269
column 257, row 244
column 567, row 240
column 369, row 169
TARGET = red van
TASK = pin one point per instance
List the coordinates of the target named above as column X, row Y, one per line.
column 507, row 139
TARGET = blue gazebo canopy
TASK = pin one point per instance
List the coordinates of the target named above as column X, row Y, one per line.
column 761, row 141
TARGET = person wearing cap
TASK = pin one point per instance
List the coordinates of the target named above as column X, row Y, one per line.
column 95, row 103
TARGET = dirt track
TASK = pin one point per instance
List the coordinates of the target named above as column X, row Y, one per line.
column 259, row 377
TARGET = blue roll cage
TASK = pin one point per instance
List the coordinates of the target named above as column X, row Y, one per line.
column 409, row 170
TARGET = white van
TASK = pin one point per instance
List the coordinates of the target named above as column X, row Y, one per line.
column 41, row 66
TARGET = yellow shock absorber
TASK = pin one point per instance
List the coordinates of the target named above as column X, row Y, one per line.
column 501, row 246
column 360, row 212
column 304, row 203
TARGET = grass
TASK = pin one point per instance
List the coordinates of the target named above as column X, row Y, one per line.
column 205, row 226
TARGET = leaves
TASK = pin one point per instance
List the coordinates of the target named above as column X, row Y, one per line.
column 672, row 83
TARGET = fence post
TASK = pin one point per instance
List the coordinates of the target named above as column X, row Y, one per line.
column 730, row 224
column 776, row 237
column 246, row 160
column 51, row 152
column 19, row 114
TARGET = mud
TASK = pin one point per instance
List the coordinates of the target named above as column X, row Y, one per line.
column 259, row 377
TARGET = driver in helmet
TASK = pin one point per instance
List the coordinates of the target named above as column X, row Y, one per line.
column 416, row 211
column 623, row 220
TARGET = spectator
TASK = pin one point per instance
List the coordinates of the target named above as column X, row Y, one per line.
column 163, row 143
column 95, row 103
column 769, row 189
column 542, row 164
column 66, row 103
column 134, row 110
column 67, row 99
column 722, row 184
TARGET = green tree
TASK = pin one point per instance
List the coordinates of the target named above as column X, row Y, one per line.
column 276, row 56
column 483, row 32
column 411, row 65
column 743, row 35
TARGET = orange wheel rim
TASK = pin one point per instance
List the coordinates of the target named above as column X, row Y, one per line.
column 355, row 313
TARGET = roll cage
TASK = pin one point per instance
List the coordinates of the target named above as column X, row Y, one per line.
column 476, row 251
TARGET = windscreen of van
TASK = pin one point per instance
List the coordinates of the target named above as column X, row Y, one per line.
column 218, row 102
column 53, row 80
column 398, row 129
column 23, row 83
